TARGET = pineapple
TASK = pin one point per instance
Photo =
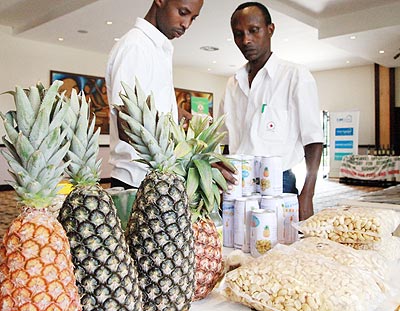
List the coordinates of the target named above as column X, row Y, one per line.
column 195, row 151
column 105, row 272
column 159, row 231
column 36, row 271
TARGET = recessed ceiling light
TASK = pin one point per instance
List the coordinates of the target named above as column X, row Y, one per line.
column 116, row 39
column 209, row 48
column 381, row 52
column 214, row 61
column 60, row 39
column 286, row 40
column 353, row 37
column 109, row 22
column 208, row 69
column 82, row 31
column 347, row 62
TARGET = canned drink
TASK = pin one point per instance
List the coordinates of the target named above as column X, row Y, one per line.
column 251, row 205
column 238, row 222
column 227, row 220
column 236, row 191
column 276, row 204
column 248, row 177
column 263, row 234
column 257, row 167
column 271, row 176
column 290, row 216
column 242, row 221
column 256, row 196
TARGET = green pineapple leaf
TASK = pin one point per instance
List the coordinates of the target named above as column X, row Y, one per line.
column 192, row 182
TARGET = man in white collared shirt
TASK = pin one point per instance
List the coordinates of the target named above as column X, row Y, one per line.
column 145, row 52
column 272, row 106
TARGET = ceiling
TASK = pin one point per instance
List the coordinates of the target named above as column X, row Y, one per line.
column 315, row 33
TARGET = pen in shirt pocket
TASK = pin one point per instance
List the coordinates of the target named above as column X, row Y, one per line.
column 263, row 107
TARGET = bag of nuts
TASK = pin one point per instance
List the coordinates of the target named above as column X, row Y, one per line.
column 367, row 261
column 351, row 224
column 289, row 279
column 388, row 247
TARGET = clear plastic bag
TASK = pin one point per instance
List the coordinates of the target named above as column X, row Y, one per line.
column 289, row 279
column 366, row 261
column 388, row 247
column 351, row 224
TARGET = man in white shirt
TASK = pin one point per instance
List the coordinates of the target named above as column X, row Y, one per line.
column 145, row 52
column 272, row 106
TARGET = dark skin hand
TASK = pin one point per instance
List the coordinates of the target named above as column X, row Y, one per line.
column 121, row 133
column 313, row 154
column 227, row 173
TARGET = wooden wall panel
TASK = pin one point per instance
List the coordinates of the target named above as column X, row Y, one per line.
column 384, row 106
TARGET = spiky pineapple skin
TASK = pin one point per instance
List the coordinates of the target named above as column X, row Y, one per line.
column 160, row 238
column 36, row 271
column 208, row 250
column 105, row 272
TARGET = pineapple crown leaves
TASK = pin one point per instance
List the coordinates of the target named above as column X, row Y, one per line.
column 35, row 143
column 195, row 151
column 148, row 130
column 83, row 168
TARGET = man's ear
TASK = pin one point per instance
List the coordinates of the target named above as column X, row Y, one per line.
column 160, row 3
column 271, row 29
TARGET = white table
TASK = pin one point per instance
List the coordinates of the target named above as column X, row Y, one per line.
column 215, row 301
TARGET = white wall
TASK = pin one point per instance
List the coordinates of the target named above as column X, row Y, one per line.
column 350, row 89
column 187, row 79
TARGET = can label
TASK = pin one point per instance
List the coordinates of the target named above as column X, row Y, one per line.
column 236, row 191
column 251, row 205
column 248, row 176
column 290, row 216
column 275, row 203
column 271, row 176
column 227, row 220
column 238, row 222
column 242, row 222
column 263, row 234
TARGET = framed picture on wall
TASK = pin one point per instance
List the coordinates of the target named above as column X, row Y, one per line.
column 195, row 102
column 95, row 91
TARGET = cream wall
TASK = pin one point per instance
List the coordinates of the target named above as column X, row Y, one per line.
column 350, row 89
column 187, row 79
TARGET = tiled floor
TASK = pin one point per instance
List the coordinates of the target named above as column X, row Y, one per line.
column 328, row 193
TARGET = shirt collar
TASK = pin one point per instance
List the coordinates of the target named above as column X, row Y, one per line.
column 270, row 68
column 159, row 39
column 271, row 65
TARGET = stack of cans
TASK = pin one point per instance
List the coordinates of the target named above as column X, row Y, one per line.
column 256, row 213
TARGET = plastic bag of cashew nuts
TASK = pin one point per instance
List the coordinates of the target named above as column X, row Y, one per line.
column 389, row 247
column 291, row 280
column 367, row 261
column 351, row 224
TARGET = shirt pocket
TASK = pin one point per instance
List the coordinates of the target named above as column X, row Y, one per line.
column 272, row 126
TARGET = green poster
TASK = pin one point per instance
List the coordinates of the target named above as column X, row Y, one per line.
column 199, row 105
